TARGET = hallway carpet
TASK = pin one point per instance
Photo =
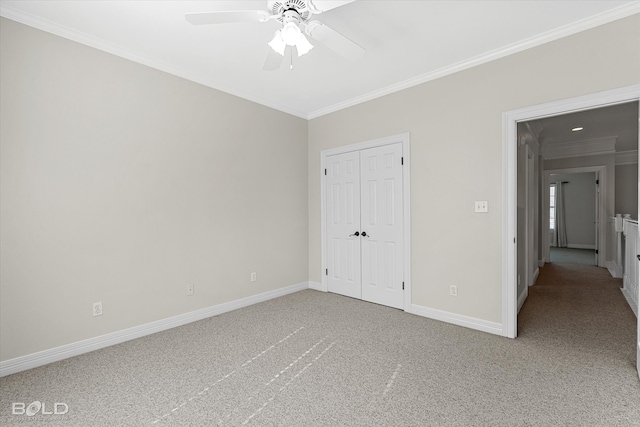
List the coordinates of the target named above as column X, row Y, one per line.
column 576, row 256
column 316, row 359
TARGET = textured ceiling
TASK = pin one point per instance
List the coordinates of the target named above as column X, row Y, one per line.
column 406, row 42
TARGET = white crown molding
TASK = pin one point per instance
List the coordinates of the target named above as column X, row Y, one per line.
column 80, row 37
column 45, row 357
column 588, row 147
column 97, row 43
column 627, row 157
column 564, row 31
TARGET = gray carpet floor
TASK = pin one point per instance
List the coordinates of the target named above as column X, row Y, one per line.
column 576, row 256
column 316, row 359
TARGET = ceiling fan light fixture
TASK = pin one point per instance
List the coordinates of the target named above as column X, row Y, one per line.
column 295, row 18
column 303, row 45
column 277, row 43
column 290, row 35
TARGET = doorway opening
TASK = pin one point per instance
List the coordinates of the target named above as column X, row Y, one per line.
column 574, row 206
column 512, row 210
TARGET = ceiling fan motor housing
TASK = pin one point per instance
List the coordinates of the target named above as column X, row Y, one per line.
column 280, row 9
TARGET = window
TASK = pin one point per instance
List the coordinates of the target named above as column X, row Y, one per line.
column 552, row 207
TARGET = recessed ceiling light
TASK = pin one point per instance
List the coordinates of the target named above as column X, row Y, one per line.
column 577, row 129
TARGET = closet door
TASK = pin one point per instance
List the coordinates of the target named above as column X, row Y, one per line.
column 382, row 225
column 343, row 222
column 365, row 251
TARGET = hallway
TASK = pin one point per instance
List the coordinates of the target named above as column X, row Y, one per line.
column 580, row 311
column 573, row 256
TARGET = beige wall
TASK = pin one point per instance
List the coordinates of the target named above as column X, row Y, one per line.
column 123, row 184
column 627, row 190
column 456, row 155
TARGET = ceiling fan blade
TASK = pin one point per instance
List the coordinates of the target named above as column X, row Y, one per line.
column 334, row 40
column 319, row 6
column 273, row 61
column 225, row 17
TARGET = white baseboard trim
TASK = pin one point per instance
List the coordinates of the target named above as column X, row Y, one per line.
column 316, row 286
column 615, row 270
column 536, row 273
column 522, row 298
column 457, row 319
column 541, row 263
column 577, row 246
column 627, row 296
column 44, row 357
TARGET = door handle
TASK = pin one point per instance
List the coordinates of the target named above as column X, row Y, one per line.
column 357, row 233
column 364, row 234
column 636, row 255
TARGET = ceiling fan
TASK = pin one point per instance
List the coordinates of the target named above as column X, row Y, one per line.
column 295, row 17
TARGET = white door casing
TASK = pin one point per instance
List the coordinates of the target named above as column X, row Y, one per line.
column 638, row 251
column 510, row 120
column 530, row 256
column 389, row 273
column 638, row 317
column 597, row 221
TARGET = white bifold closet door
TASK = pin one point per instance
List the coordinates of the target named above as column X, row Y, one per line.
column 365, row 225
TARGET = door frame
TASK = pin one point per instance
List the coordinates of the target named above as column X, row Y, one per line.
column 529, row 217
column 510, row 121
column 403, row 138
column 601, row 208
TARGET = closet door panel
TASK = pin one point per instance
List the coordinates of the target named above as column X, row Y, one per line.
column 343, row 221
column 381, row 225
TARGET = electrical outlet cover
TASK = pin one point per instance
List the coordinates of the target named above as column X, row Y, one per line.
column 97, row 308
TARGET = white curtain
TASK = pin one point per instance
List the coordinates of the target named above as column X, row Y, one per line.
column 561, row 227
